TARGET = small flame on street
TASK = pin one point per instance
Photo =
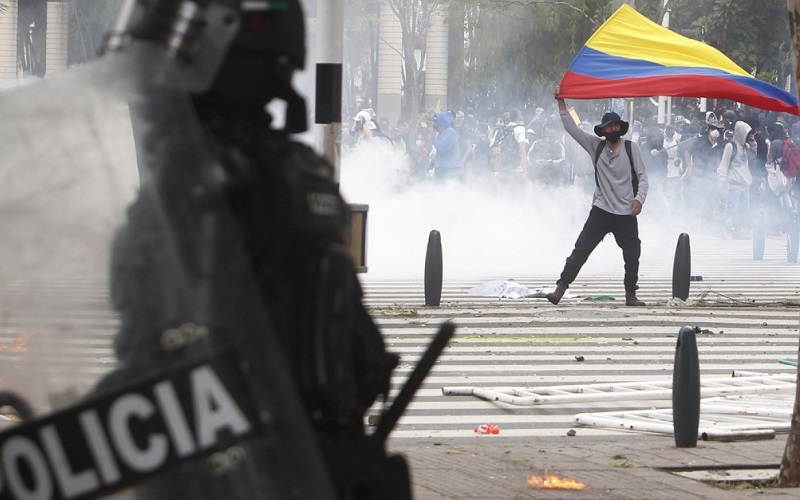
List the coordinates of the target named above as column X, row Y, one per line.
column 16, row 345
column 554, row 482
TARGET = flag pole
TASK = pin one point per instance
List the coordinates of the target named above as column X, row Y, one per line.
column 665, row 103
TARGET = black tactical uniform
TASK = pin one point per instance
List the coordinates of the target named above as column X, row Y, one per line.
column 260, row 234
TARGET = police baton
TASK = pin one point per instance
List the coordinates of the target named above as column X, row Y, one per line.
column 390, row 417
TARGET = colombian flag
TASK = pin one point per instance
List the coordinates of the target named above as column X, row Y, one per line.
column 631, row 56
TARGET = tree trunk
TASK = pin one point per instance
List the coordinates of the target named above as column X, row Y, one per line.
column 790, row 464
column 31, row 37
column 409, row 98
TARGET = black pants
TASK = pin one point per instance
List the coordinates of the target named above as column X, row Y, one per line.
column 625, row 229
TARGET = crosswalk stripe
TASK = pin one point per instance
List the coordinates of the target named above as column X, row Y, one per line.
column 748, row 312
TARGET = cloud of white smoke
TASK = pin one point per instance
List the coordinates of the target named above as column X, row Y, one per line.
column 484, row 235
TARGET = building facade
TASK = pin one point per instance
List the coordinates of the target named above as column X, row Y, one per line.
column 390, row 63
column 18, row 37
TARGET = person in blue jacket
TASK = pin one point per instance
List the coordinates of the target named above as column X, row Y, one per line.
column 446, row 162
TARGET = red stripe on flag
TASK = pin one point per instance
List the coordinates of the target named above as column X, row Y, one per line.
column 577, row 86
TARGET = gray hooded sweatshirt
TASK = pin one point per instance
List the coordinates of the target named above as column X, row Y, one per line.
column 733, row 167
column 614, row 191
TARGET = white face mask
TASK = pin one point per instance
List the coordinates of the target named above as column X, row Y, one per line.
column 714, row 134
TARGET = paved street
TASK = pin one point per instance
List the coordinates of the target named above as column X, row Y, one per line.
column 746, row 310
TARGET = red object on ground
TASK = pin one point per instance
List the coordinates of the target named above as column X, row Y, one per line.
column 487, row 429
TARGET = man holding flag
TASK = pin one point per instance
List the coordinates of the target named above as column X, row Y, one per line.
column 630, row 55
column 621, row 189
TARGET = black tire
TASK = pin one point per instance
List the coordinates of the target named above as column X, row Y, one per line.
column 16, row 402
column 433, row 270
column 682, row 268
column 793, row 239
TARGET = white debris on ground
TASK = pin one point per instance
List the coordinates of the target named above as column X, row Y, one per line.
column 677, row 302
column 509, row 289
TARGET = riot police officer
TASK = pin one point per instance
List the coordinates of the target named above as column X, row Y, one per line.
column 265, row 209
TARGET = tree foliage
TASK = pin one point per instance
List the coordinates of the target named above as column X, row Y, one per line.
column 361, row 47
column 516, row 51
column 753, row 33
column 415, row 19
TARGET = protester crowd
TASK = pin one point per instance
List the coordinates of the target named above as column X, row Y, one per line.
column 718, row 169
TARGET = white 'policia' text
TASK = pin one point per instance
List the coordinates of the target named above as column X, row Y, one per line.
column 123, row 436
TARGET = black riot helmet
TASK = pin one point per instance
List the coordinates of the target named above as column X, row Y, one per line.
column 231, row 54
column 266, row 50
column 176, row 44
column 273, row 27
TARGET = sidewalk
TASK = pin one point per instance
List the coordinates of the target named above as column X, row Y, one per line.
column 625, row 467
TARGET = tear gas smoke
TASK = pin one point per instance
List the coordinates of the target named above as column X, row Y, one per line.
column 484, row 235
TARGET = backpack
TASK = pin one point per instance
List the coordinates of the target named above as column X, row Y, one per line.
column 790, row 159
column 634, row 177
column 504, row 152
